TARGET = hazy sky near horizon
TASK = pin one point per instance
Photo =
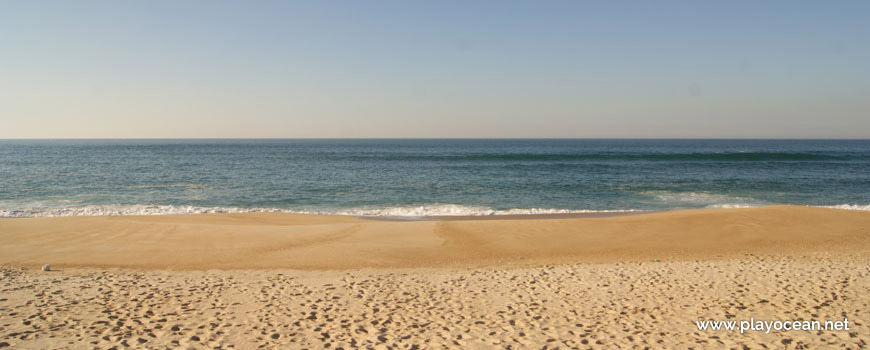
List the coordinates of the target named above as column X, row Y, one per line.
column 118, row 69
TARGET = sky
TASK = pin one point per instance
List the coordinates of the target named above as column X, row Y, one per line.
column 408, row 69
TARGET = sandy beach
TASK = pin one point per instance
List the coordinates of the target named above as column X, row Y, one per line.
column 249, row 281
column 410, row 175
column 293, row 241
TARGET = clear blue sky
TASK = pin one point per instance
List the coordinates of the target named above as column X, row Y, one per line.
column 435, row 69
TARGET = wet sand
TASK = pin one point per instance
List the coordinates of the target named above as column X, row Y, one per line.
column 292, row 241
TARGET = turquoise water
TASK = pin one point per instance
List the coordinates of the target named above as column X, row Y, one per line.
column 425, row 177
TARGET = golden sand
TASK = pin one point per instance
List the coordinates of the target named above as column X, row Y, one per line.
column 292, row 241
column 249, row 281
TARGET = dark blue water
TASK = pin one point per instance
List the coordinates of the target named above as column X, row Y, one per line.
column 426, row 177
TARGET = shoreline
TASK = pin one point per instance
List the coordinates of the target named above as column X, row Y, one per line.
column 553, row 215
column 508, row 216
column 268, row 241
column 464, row 217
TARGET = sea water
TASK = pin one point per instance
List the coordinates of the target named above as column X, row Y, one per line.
column 422, row 177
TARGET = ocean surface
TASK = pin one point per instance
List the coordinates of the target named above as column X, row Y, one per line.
column 425, row 177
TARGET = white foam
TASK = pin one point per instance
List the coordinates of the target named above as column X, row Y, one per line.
column 698, row 197
column 841, row 206
column 730, row 206
column 849, row 207
column 406, row 211
column 461, row 210
column 115, row 210
column 706, row 199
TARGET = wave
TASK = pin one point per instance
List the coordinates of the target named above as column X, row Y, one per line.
column 730, row 206
column 849, row 207
column 462, row 210
column 839, row 206
column 119, row 210
column 722, row 201
column 723, row 156
column 710, row 200
column 403, row 211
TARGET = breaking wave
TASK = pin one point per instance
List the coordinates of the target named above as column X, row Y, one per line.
column 400, row 211
column 849, row 207
column 404, row 211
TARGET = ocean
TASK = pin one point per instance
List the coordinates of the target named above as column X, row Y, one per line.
column 425, row 177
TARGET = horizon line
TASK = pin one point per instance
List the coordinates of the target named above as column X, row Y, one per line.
column 430, row 138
